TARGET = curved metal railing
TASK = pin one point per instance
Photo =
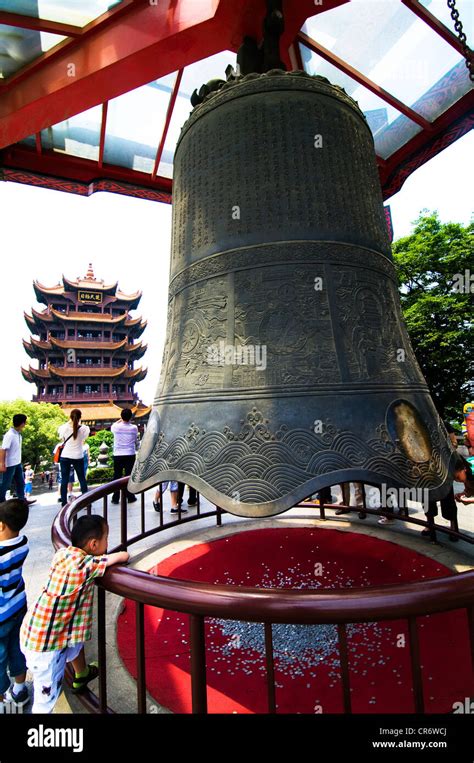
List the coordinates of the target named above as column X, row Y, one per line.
column 200, row 600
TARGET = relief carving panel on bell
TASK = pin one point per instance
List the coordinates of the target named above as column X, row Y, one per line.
column 375, row 346
column 279, row 311
column 199, row 320
column 255, row 328
column 166, row 348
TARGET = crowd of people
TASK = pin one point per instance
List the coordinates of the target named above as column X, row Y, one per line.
column 54, row 631
column 72, row 460
column 71, row 455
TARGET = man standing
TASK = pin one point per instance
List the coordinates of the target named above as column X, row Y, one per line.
column 12, row 446
column 125, row 442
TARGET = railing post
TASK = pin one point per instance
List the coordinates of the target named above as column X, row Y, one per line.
column 161, row 504
column 219, row 516
column 105, row 506
column 198, row 664
column 102, row 649
column 142, row 512
column 123, row 518
column 270, row 666
column 415, row 666
column 140, row 654
column 362, row 512
column 343, row 654
column 322, row 512
column 470, row 621
column 180, row 498
column 431, row 528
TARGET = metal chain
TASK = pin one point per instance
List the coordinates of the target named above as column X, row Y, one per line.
column 462, row 38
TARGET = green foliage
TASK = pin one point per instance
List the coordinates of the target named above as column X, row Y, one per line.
column 98, row 475
column 41, row 432
column 439, row 317
column 94, row 442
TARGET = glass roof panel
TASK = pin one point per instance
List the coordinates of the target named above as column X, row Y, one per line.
column 194, row 76
column 391, row 46
column 20, row 46
column 75, row 12
column 135, row 123
column 439, row 8
column 77, row 136
column 390, row 128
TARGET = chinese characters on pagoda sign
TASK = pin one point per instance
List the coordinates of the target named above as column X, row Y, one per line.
column 90, row 296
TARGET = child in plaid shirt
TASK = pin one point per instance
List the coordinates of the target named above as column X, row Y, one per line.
column 55, row 630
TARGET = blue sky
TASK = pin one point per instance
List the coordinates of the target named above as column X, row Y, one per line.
column 47, row 233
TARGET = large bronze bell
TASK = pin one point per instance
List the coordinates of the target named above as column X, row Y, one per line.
column 287, row 367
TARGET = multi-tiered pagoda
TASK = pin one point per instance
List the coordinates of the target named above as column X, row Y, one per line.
column 86, row 344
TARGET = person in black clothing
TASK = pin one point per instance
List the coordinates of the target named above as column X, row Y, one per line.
column 125, row 443
column 449, row 509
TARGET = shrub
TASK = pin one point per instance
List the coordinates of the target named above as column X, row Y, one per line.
column 98, row 475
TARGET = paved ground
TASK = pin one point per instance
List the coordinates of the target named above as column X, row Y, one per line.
column 460, row 556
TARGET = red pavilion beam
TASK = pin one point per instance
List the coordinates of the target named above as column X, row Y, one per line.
column 446, row 129
column 169, row 113
column 103, row 126
column 62, row 168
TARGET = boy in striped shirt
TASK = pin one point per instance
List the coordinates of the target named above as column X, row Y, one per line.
column 55, row 630
column 13, row 552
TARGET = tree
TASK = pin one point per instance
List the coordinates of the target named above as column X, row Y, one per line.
column 436, row 295
column 41, row 432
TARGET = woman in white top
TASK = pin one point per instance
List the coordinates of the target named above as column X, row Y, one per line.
column 73, row 434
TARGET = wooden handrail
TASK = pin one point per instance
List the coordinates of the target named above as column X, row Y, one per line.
column 271, row 604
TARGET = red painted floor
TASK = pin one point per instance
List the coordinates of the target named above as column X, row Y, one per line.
column 306, row 657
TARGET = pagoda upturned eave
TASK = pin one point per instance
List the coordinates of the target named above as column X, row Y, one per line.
column 45, row 293
column 79, row 344
column 90, row 372
column 30, row 322
column 36, row 347
column 136, row 351
column 51, row 372
column 74, row 315
column 36, row 319
column 107, row 411
column 30, row 374
column 90, row 283
column 137, row 326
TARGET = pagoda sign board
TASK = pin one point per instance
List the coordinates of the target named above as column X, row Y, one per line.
column 89, row 297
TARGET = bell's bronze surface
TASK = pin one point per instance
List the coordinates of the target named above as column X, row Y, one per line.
column 287, row 367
